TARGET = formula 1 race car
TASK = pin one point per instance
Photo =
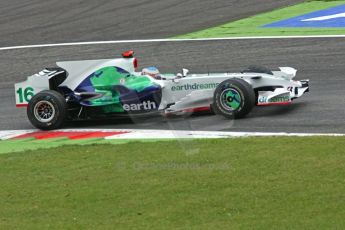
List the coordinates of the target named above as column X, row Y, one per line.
column 77, row 90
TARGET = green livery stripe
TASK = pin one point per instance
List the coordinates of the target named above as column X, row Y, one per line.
column 106, row 78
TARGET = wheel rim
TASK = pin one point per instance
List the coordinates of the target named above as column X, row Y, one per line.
column 231, row 99
column 44, row 111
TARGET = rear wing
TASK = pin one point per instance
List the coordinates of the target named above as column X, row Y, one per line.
column 74, row 72
column 36, row 83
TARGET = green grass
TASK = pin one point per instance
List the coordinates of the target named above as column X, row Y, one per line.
column 251, row 26
column 246, row 183
column 19, row 145
column 22, row 145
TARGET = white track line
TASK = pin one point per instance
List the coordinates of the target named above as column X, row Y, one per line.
column 165, row 40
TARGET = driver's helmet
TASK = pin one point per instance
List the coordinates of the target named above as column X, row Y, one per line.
column 151, row 71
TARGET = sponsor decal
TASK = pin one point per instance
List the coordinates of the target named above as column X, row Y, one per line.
column 146, row 105
column 194, row 86
column 328, row 18
column 262, row 100
column 25, row 95
column 284, row 98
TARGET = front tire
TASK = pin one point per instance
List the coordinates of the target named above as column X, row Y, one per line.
column 233, row 98
column 47, row 110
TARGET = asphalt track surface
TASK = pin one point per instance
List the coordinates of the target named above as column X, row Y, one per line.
column 25, row 22
column 320, row 60
column 35, row 22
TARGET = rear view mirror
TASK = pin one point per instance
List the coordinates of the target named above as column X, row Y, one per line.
column 185, row 72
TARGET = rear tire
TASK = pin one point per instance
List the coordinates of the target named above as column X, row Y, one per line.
column 233, row 98
column 47, row 110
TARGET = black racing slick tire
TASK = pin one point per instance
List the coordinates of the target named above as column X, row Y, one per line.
column 47, row 110
column 233, row 98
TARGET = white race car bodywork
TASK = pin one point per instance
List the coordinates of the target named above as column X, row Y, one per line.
column 196, row 90
column 178, row 92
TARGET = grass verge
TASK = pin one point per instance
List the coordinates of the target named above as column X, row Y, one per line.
column 245, row 183
column 20, row 145
column 251, row 26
